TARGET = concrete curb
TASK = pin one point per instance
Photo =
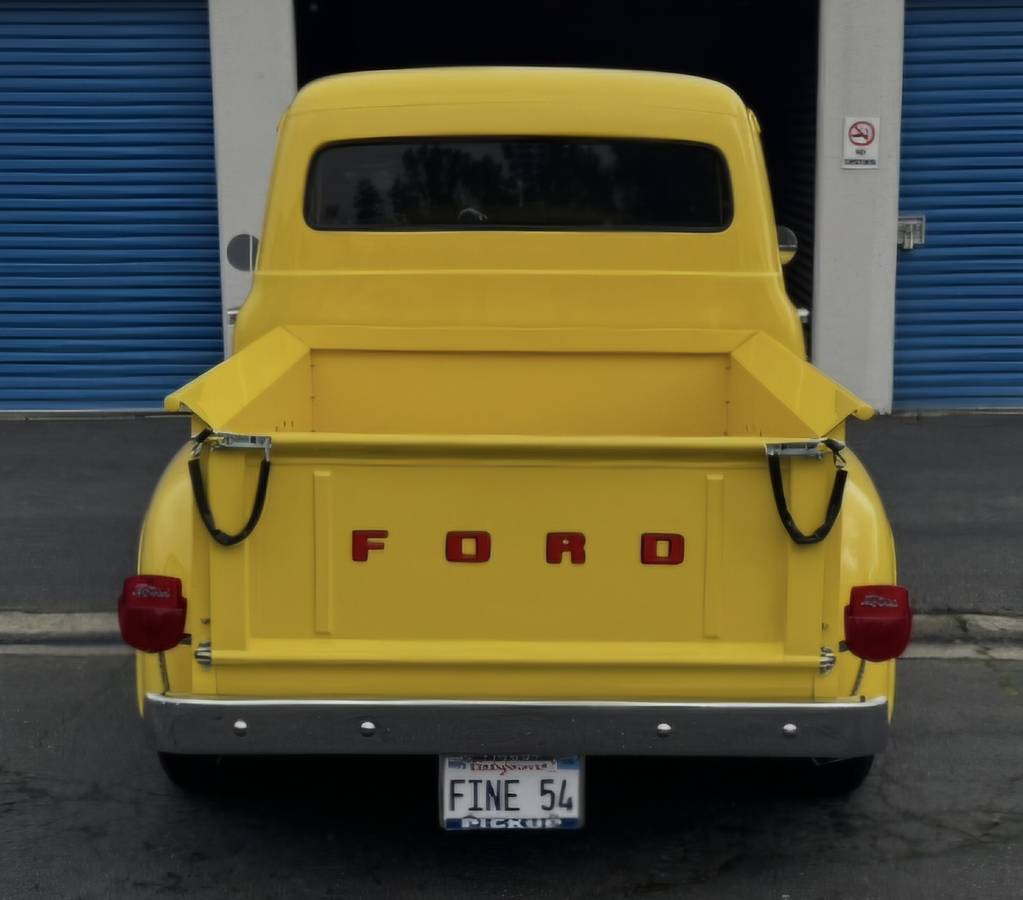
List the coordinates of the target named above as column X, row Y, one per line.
column 929, row 629
column 966, row 628
column 1003, row 652
column 58, row 628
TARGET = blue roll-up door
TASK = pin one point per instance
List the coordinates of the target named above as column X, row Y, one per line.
column 959, row 303
column 110, row 289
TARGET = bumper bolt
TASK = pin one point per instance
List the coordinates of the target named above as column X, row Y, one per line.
column 663, row 729
column 368, row 729
column 789, row 730
column 241, row 727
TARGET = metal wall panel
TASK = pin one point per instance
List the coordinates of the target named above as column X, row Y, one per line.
column 959, row 300
column 110, row 293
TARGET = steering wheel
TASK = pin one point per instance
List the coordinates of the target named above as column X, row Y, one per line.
column 472, row 215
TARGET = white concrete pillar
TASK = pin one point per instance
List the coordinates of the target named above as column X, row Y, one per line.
column 252, row 44
column 857, row 210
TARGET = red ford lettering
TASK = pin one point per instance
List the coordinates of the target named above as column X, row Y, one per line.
column 571, row 542
column 657, row 549
column 364, row 541
column 467, row 546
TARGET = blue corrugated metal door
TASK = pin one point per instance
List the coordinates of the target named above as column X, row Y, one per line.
column 959, row 303
column 110, row 294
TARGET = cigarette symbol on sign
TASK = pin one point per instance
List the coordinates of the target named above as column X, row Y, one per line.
column 861, row 134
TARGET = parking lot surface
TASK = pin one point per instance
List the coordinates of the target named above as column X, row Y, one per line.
column 74, row 493
column 86, row 812
column 954, row 494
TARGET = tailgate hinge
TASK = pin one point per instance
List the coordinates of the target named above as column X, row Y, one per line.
column 828, row 660
column 811, row 449
column 226, row 440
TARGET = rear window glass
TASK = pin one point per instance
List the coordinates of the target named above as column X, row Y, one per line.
column 530, row 183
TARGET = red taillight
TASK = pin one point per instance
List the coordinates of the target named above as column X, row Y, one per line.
column 878, row 621
column 151, row 612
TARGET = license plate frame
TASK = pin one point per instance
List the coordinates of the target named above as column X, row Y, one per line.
column 531, row 782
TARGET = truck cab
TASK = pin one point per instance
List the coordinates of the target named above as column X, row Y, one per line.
column 518, row 458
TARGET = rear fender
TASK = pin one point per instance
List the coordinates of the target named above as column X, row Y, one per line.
column 868, row 557
column 171, row 543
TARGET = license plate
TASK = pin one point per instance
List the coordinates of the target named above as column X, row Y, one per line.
column 486, row 793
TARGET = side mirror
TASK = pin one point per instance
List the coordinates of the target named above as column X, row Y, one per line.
column 242, row 250
column 788, row 244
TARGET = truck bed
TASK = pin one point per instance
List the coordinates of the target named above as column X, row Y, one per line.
column 402, row 437
column 544, row 382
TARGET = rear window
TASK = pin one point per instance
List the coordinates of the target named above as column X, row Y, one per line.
column 531, row 183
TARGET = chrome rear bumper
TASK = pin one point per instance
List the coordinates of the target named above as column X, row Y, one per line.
column 219, row 726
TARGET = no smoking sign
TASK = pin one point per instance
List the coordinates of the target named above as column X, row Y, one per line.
column 860, row 143
column 861, row 133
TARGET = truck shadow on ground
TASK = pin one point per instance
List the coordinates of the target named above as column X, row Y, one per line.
column 651, row 824
column 400, row 794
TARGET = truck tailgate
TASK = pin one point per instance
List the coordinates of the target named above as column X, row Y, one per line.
column 320, row 600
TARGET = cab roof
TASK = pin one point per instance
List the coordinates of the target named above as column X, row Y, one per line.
column 516, row 84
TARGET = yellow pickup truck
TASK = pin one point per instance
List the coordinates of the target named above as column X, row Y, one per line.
column 518, row 459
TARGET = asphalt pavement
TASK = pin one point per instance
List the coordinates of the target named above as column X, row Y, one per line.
column 72, row 496
column 86, row 812
column 953, row 488
column 73, row 493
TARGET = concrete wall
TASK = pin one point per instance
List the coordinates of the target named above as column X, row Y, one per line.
column 857, row 210
column 253, row 53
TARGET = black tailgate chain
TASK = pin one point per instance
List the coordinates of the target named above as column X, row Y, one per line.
column 774, row 454
column 202, row 501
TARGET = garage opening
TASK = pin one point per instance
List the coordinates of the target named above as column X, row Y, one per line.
column 765, row 51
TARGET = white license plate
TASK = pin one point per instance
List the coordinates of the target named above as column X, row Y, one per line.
column 483, row 792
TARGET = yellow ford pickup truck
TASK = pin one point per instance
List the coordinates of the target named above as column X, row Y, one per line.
column 518, row 459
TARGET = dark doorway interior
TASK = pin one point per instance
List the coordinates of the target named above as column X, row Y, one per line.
column 767, row 51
